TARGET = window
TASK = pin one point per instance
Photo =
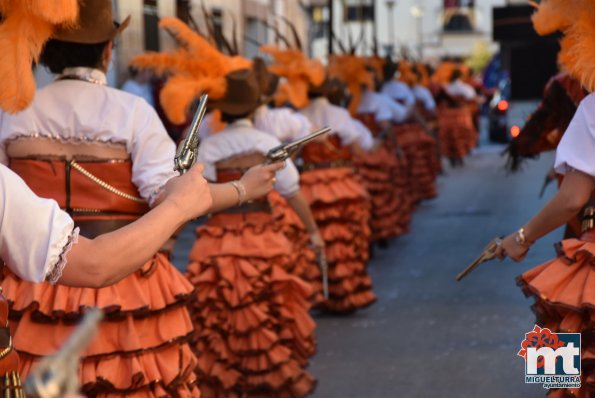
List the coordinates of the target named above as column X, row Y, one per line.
column 319, row 22
column 183, row 10
column 459, row 15
column 358, row 10
column 217, row 21
column 151, row 21
column 256, row 35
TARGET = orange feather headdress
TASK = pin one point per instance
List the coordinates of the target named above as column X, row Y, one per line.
column 299, row 71
column 351, row 69
column 443, row 72
column 406, row 74
column 553, row 15
column 26, row 27
column 194, row 68
column 576, row 20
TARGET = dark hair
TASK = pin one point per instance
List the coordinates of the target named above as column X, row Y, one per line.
column 456, row 74
column 228, row 118
column 58, row 55
column 132, row 71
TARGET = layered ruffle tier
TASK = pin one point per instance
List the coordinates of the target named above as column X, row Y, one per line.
column 341, row 207
column 456, row 131
column 304, row 262
column 141, row 347
column 254, row 335
column 379, row 170
column 421, row 151
column 564, row 292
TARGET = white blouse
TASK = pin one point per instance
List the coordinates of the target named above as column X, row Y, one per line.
column 240, row 138
column 74, row 110
column 320, row 112
column 35, row 235
column 577, row 147
column 459, row 88
column 399, row 91
column 424, row 95
column 284, row 123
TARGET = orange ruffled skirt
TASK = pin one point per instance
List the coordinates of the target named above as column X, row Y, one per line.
column 458, row 135
column 378, row 170
column 341, row 207
column 141, row 347
column 420, row 149
column 254, row 335
column 564, row 292
column 304, row 263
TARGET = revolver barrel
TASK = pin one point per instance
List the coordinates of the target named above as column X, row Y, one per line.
column 188, row 148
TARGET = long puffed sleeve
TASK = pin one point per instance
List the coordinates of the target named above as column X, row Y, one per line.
column 283, row 123
column 152, row 152
column 35, row 235
column 577, row 146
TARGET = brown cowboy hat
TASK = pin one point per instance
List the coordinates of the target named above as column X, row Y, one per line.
column 243, row 94
column 330, row 87
column 95, row 24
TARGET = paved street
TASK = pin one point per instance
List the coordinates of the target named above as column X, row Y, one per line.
column 428, row 336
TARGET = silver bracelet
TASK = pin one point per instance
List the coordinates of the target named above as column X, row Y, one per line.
column 239, row 186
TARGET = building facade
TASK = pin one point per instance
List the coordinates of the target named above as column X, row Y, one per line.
column 421, row 28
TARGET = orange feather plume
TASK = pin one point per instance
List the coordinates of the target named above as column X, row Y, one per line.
column 424, row 79
column 377, row 64
column 443, row 72
column 406, row 74
column 577, row 54
column 299, row 71
column 553, row 15
column 194, row 68
column 351, row 70
column 27, row 25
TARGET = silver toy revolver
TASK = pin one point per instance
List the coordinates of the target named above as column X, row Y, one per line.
column 56, row 376
column 284, row 151
column 188, row 148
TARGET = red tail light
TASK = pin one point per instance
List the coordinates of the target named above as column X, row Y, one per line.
column 502, row 105
column 515, row 131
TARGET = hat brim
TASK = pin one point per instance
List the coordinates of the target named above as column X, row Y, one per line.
column 235, row 109
column 83, row 36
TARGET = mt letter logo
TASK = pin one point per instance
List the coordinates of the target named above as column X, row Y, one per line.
column 553, row 359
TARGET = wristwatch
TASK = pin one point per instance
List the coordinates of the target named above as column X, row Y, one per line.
column 521, row 239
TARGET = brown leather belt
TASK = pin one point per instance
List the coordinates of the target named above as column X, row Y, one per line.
column 252, row 207
column 326, row 165
column 93, row 228
column 5, row 341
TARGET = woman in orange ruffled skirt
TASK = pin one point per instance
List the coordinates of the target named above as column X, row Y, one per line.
column 254, row 336
column 564, row 287
column 105, row 157
column 391, row 204
column 340, row 205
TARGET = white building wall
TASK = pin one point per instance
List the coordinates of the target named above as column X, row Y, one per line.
column 410, row 31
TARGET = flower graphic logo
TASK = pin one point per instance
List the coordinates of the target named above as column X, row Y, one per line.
column 539, row 338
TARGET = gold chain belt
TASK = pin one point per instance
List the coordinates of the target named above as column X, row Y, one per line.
column 588, row 219
column 104, row 184
column 11, row 386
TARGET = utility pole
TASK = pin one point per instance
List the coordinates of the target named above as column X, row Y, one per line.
column 331, row 13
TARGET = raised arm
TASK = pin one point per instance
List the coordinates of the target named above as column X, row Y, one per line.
column 128, row 248
column 573, row 194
